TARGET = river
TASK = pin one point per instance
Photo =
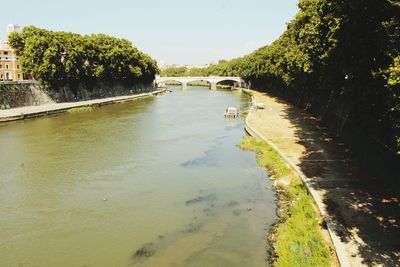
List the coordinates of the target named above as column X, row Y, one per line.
column 155, row 182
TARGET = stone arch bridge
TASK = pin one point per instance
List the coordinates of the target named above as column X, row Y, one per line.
column 213, row 80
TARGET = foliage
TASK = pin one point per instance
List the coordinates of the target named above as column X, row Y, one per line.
column 393, row 80
column 335, row 57
column 174, row 72
column 81, row 109
column 59, row 59
column 266, row 157
column 296, row 239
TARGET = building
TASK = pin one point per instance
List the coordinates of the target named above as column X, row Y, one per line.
column 10, row 68
column 12, row 28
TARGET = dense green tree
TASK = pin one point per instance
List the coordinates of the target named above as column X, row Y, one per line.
column 174, row 72
column 335, row 57
column 58, row 59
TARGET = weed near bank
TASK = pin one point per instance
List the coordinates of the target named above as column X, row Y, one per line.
column 296, row 238
column 80, row 109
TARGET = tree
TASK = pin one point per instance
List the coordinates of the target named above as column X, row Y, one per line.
column 335, row 56
column 59, row 59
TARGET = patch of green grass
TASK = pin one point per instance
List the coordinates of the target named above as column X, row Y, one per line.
column 247, row 91
column 80, row 109
column 296, row 238
column 221, row 86
column 267, row 157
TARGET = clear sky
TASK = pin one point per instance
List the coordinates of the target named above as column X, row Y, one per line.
column 171, row 31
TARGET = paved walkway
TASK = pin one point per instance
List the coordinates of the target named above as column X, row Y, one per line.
column 363, row 216
column 49, row 109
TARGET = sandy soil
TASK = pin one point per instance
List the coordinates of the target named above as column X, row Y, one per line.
column 364, row 211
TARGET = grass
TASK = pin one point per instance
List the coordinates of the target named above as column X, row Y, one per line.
column 246, row 91
column 267, row 157
column 296, row 238
column 80, row 109
column 221, row 86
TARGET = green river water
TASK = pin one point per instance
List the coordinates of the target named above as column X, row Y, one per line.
column 155, row 182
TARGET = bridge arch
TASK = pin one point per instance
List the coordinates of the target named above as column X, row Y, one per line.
column 231, row 81
column 213, row 80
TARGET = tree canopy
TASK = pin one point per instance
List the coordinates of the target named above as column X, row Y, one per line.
column 338, row 57
column 59, row 59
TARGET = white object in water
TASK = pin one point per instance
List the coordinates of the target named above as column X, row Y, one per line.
column 161, row 86
column 231, row 112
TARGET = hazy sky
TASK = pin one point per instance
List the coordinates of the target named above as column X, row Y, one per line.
column 171, row 31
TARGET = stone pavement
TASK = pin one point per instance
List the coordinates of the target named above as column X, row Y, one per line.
column 362, row 215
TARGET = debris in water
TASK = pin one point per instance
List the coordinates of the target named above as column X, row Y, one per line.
column 193, row 228
column 208, row 212
column 147, row 251
column 210, row 197
column 194, row 200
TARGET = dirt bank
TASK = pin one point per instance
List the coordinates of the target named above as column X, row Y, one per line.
column 362, row 211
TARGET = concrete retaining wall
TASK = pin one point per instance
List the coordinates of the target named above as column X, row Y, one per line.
column 30, row 93
column 16, row 94
column 30, row 112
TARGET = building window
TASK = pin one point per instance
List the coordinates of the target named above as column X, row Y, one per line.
column 1, row 76
column 19, row 76
column 6, row 66
column 5, row 53
column 1, row 66
column 17, row 66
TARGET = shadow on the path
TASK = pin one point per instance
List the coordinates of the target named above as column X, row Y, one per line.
column 360, row 204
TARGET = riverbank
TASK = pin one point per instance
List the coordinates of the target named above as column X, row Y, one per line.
column 30, row 112
column 361, row 216
column 296, row 238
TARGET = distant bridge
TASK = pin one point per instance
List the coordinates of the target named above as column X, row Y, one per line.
column 213, row 80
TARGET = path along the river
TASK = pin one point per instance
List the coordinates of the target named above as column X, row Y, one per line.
column 58, row 108
column 362, row 214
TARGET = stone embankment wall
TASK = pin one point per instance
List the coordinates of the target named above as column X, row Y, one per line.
column 17, row 94
column 20, row 94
